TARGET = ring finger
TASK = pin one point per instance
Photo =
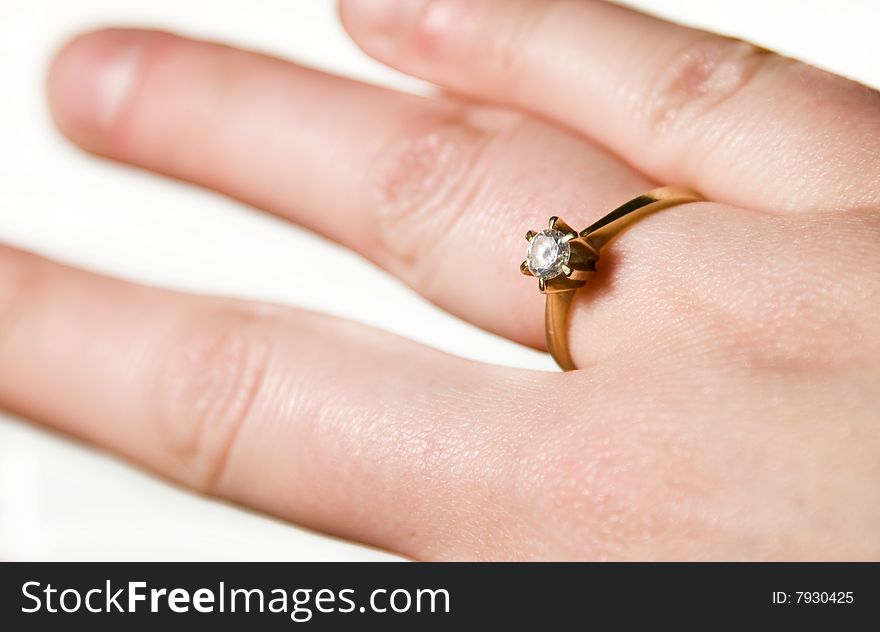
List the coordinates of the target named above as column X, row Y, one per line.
column 437, row 191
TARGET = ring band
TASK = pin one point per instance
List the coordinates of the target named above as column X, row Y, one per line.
column 563, row 259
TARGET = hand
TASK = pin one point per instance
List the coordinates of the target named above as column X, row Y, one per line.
column 727, row 406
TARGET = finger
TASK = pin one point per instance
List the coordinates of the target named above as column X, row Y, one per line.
column 438, row 192
column 738, row 123
column 443, row 202
column 310, row 418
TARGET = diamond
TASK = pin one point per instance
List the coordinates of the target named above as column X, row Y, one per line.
column 547, row 254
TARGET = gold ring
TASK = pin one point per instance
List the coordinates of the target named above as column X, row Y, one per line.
column 563, row 259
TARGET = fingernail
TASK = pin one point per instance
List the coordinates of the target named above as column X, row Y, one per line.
column 384, row 18
column 91, row 80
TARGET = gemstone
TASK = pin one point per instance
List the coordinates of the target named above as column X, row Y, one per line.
column 547, row 254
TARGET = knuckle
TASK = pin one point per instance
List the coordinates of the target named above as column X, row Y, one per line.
column 436, row 37
column 207, row 387
column 433, row 33
column 424, row 184
column 699, row 78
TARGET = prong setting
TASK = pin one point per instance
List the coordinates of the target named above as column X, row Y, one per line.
column 549, row 251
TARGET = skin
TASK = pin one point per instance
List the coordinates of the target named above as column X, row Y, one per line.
column 727, row 407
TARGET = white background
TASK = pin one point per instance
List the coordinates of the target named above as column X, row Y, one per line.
column 63, row 500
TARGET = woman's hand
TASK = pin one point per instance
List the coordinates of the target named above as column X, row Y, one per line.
column 728, row 406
